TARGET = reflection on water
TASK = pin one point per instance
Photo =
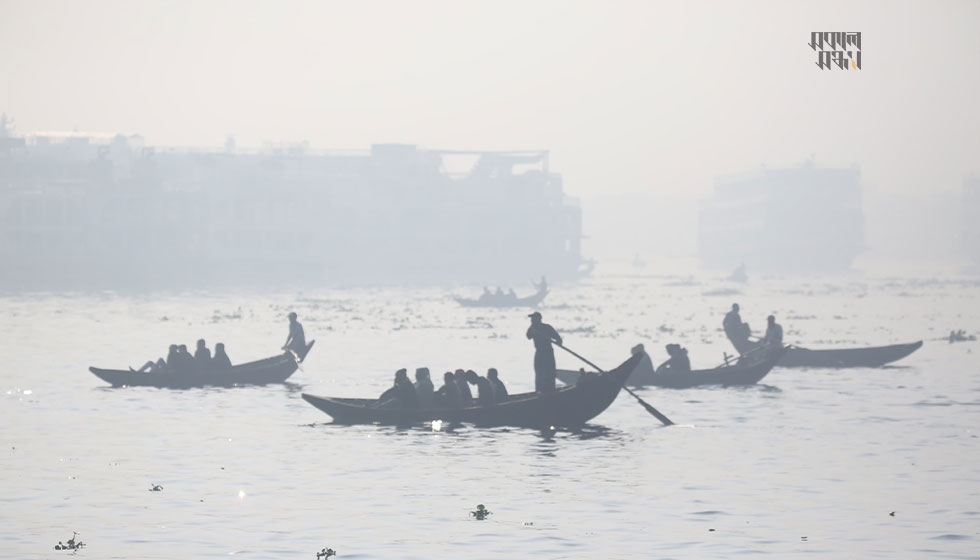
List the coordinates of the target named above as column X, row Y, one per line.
column 825, row 454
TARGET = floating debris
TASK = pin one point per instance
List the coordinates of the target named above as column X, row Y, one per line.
column 155, row 488
column 481, row 512
column 326, row 553
column 71, row 545
column 891, row 513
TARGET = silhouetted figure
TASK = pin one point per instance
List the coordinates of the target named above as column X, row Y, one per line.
column 464, row 388
column 423, row 388
column 483, row 386
column 499, row 292
column 511, row 293
column 678, row 361
column 296, row 341
column 645, row 363
column 448, row 395
column 221, row 361
column 736, row 331
column 401, row 394
column 184, row 362
column 158, row 365
column 202, row 356
column 774, row 333
column 543, row 285
column 173, row 356
column 499, row 389
column 544, row 355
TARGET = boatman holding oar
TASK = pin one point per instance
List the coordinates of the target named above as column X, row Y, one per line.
column 544, row 355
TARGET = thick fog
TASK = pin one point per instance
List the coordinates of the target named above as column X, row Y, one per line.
column 644, row 112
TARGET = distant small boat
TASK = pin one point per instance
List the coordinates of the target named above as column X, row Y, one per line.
column 261, row 372
column 870, row 357
column 746, row 372
column 567, row 407
column 504, row 300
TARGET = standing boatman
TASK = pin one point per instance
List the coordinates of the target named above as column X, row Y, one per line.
column 544, row 355
column 297, row 338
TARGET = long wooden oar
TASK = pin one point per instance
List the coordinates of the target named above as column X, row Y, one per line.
column 656, row 413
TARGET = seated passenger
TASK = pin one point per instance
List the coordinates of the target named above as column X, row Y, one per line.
column 485, row 395
column 464, row 388
column 448, row 395
column 221, row 361
column 401, row 394
column 151, row 366
column 183, row 361
column 423, row 388
column 202, row 356
column 678, row 361
column 499, row 390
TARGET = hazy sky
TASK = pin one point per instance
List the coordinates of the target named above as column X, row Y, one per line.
column 653, row 97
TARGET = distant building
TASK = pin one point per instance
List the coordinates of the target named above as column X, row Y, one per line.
column 801, row 219
column 106, row 211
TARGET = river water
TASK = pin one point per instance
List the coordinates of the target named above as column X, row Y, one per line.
column 809, row 463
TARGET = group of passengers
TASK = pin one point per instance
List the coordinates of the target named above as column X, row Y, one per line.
column 454, row 393
column 181, row 361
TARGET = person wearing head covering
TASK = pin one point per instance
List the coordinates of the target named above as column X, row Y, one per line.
column 221, row 361
column 448, row 395
column 499, row 389
column 645, row 364
column 774, row 333
column 202, row 356
column 423, row 388
column 297, row 338
column 543, row 335
column 678, row 361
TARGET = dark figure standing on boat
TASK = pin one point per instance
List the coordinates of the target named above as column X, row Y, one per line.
column 774, row 333
column 678, row 361
column 543, row 335
column 736, row 331
column 296, row 341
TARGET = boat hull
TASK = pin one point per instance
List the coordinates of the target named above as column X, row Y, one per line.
column 736, row 374
column 567, row 407
column 261, row 372
column 847, row 357
column 504, row 301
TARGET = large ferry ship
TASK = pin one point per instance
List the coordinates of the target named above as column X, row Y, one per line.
column 107, row 211
column 804, row 219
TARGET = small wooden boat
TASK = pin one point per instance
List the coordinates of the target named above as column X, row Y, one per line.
column 744, row 372
column 869, row 357
column 261, row 372
column 567, row 407
column 504, row 300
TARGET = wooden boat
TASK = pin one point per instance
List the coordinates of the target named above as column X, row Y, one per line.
column 261, row 372
column 504, row 300
column 567, row 407
column 869, row 357
column 744, row 372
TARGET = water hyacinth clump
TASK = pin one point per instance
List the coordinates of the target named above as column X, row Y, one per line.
column 481, row 512
column 326, row 553
column 72, row 544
